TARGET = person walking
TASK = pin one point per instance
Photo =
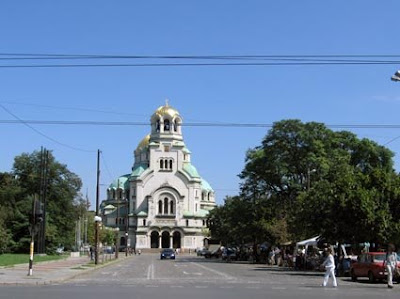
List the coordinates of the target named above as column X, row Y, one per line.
column 391, row 264
column 329, row 264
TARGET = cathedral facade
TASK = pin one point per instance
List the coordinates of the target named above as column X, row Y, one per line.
column 163, row 202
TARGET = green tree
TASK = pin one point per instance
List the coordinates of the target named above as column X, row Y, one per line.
column 317, row 181
column 61, row 211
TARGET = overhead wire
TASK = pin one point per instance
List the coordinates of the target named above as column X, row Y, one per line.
column 21, row 121
column 206, row 60
column 190, row 124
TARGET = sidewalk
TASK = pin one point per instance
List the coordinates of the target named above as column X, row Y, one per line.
column 47, row 273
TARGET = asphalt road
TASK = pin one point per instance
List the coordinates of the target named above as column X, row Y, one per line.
column 146, row 276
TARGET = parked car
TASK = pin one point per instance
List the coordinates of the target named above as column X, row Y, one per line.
column 229, row 254
column 210, row 254
column 371, row 265
column 108, row 249
column 201, row 251
column 167, row 253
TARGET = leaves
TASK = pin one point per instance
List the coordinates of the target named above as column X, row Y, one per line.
column 305, row 179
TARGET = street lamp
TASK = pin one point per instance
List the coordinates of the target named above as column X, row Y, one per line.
column 97, row 220
column 396, row 76
column 126, row 243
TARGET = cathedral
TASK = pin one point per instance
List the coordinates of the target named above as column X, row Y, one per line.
column 163, row 202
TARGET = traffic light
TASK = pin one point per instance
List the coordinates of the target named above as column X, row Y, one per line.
column 38, row 212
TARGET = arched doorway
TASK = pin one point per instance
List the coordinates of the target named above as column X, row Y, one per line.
column 176, row 240
column 165, row 241
column 154, row 240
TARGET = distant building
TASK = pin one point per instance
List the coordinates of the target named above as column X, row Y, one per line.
column 163, row 202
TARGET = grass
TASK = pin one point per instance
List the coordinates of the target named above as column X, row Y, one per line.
column 9, row 259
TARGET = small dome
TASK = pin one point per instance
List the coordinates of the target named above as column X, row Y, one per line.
column 166, row 110
column 144, row 143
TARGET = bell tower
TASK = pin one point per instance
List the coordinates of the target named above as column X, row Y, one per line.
column 166, row 124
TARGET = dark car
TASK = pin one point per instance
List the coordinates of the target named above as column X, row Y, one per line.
column 167, row 254
column 371, row 265
column 229, row 254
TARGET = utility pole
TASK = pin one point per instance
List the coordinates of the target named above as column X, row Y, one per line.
column 96, row 254
column 44, row 169
column 37, row 217
column 117, row 233
column 126, row 226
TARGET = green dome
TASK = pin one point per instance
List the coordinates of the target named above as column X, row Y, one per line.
column 122, row 182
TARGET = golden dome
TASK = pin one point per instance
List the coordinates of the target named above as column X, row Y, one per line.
column 166, row 110
column 144, row 143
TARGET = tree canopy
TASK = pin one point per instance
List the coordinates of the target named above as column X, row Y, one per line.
column 305, row 179
column 17, row 190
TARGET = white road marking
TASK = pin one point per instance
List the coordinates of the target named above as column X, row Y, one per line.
column 150, row 272
column 278, row 288
column 177, row 287
column 201, row 287
column 151, row 286
column 214, row 271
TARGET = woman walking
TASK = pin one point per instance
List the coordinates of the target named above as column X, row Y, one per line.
column 391, row 264
column 329, row 264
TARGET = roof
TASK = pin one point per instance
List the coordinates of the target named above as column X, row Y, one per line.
column 121, row 182
column 138, row 169
column 186, row 150
column 190, row 170
column 205, row 185
column 144, row 143
column 166, row 110
column 142, row 213
column 200, row 213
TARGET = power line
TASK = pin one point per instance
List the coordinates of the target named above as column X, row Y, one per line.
column 106, row 166
column 70, row 108
column 21, row 121
column 193, row 124
column 203, row 64
column 206, row 60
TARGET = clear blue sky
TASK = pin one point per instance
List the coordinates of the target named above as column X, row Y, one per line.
column 262, row 94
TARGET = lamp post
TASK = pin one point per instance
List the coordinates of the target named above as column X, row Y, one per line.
column 116, row 241
column 126, row 242
column 396, row 76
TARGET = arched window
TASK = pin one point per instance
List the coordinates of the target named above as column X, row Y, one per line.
column 202, row 195
column 166, row 125
column 161, row 164
column 166, row 164
column 170, row 164
column 165, row 205
column 187, row 222
column 175, row 126
column 158, row 126
column 144, row 222
column 116, row 220
column 160, row 207
column 204, row 222
column 113, row 194
column 208, row 196
column 171, row 207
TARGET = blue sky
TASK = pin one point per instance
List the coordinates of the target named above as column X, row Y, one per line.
column 259, row 94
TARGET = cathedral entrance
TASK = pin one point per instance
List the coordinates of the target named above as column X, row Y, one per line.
column 176, row 240
column 154, row 240
column 165, row 240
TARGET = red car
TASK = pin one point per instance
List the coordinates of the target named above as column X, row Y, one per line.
column 371, row 265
